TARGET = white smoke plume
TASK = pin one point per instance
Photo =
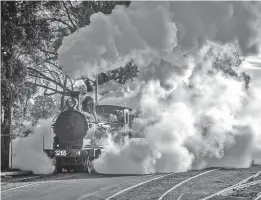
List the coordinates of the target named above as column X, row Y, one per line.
column 195, row 110
column 206, row 120
column 109, row 41
column 138, row 156
column 28, row 152
column 146, row 31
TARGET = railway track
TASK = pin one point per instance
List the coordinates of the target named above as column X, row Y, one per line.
column 21, row 182
column 242, row 184
column 258, row 196
column 201, row 184
column 197, row 185
column 193, row 175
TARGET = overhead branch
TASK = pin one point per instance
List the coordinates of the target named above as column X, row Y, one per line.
column 51, row 73
column 48, row 94
column 68, row 15
column 46, row 51
column 54, row 74
column 72, row 84
column 34, row 75
column 52, row 19
column 44, row 76
column 75, row 14
column 44, row 86
column 55, row 65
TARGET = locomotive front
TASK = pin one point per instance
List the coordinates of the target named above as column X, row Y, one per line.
column 70, row 128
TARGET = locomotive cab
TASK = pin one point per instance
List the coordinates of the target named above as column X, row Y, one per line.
column 119, row 119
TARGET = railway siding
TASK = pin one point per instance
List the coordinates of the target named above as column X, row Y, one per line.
column 249, row 189
column 154, row 189
column 212, row 183
column 20, row 182
column 196, row 188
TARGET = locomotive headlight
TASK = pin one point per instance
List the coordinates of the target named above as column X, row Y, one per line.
column 79, row 153
column 71, row 102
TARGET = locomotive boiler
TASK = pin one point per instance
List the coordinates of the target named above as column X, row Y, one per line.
column 75, row 126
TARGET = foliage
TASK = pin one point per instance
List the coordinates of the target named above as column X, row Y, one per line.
column 44, row 107
column 120, row 75
column 64, row 18
column 20, row 30
column 32, row 31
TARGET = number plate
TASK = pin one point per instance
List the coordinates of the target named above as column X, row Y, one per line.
column 60, row 152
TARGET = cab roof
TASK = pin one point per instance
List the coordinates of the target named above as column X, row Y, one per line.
column 113, row 107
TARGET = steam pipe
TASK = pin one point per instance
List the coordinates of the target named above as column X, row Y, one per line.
column 96, row 90
column 43, row 141
column 11, row 153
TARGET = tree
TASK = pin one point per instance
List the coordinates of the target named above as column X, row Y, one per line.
column 120, row 75
column 20, row 31
column 22, row 122
column 43, row 108
column 32, row 31
column 65, row 18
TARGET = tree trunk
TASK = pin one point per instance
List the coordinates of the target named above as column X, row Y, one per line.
column 5, row 137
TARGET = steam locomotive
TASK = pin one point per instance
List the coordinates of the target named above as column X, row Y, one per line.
column 75, row 126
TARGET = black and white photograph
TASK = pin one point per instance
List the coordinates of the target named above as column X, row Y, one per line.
column 130, row 100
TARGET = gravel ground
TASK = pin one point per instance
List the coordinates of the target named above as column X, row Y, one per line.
column 249, row 192
column 258, row 177
column 211, row 183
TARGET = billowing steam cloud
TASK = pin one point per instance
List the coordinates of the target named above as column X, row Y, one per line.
column 109, row 41
column 208, row 119
column 195, row 109
column 146, row 31
column 28, row 152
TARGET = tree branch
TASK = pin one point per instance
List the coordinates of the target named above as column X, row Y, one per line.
column 52, row 19
column 46, row 51
column 69, row 17
column 57, row 66
column 52, row 74
column 49, row 94
column 70, row 81
column 75, row 13
column 44, row 86
column 44, row 76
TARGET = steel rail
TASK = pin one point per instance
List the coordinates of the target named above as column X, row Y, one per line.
column 258, row 196
column 144, row 182
column 243, row 186
column 241, row 183
column 136, row 185
column 49, row 178
column 181, row 183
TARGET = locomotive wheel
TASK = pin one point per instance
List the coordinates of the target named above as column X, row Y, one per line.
column 87, row 166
